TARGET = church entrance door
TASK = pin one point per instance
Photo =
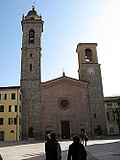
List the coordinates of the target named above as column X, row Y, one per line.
column 65, row 129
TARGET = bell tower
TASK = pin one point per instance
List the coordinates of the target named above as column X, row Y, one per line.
column 32, row 27
column 89, row 70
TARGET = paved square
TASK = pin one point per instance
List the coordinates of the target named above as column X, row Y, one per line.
column 97, row 150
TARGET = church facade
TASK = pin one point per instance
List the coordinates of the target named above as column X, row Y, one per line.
column 63, row 105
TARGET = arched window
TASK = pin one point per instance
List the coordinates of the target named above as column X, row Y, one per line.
column 31, row 36
column 12, row 131
column 88, row 55
column 110, row 116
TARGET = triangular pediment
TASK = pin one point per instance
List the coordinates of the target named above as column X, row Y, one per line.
column 64, row 80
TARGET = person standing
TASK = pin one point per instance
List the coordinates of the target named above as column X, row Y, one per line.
column 82, row 137
column 52, row 148
column 47, row 137
column 1, row 157
column 76, row 150
column 85, row 139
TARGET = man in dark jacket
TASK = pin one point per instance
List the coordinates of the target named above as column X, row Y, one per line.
column 52, row 148
column 76, row 150
column 1, row 157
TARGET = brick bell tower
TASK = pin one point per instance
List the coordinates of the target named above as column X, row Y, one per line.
column 89, row 70
column 32, row 27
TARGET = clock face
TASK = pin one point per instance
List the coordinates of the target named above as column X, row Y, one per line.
column 91, row 70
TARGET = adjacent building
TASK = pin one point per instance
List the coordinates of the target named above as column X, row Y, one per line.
column 112, row 117
column 10, row 113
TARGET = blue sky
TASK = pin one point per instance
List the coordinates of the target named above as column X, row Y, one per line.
column 66, row 23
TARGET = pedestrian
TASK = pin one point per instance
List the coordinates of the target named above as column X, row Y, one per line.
column 47, row 137
column 1, row 157
column 76, row 150
column 52, row 148
column 85, row 138
column 82, row 137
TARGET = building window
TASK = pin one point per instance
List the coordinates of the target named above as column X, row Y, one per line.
column 30, row 54
column 11, row 108
column 110, row 116
column 1, row 121
column 15, row 120
column 31, row 36
column 15, row 108
column 88, row 55
column 12, row 131
column 94, row 115
column 64, row 103
column 12, row 121
column 30, row 67
column 3, row 96
column 13, row 96
column 1, row 108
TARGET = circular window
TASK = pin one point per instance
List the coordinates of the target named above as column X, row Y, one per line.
column 64, row 103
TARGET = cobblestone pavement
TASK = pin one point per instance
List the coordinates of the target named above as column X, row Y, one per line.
column 97, row 150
